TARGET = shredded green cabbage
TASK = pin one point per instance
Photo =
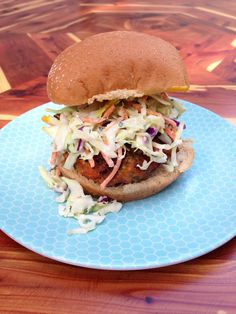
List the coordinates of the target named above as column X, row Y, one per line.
column 155, row 111
column 146, row 123
column 75, row 204
column 62, row 110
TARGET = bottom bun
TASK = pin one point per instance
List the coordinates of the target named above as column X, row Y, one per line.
column 160, row 179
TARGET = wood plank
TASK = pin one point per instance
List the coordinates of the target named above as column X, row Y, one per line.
column 4, row 122
column 4, row 84
column 53, row 44
column 181, row 288
column 24, row 97
column 45, row 15
column 39, row 15
column 204, row 32
column 227, row 68
column 21, row 60
column 217, row 99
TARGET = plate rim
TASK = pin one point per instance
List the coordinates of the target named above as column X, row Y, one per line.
column 129, row 265
column 125, row 268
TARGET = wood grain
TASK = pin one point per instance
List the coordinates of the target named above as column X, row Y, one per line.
column 32, row 34
column 204, row 285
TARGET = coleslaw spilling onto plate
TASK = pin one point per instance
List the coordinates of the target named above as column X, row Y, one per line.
column 75, row 204
column 149, row 124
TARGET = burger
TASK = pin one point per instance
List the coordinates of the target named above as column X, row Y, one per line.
column 118, row 134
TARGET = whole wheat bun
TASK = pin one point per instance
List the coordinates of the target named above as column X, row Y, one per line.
column 115, row 65
column 128, row 192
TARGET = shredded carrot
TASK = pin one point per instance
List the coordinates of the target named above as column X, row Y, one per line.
column 110, row 125
column 53, row 158
column 164, row 96
column 91, row 162
column 171, row 128
column 109, row 111
column 46, row 119
column 124, row 113
column 93, row 120
column 108, row 160
column 174, row 134
column 105, row 140
column 136, row 106
column 58, row 172
column 171, row 133
column 171, row 122
column 114, row 170
column 154, row 113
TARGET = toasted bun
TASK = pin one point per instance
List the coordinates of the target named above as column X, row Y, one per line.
column 128, row 192
column 115, row 65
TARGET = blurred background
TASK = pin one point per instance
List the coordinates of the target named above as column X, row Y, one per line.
column 33, row 33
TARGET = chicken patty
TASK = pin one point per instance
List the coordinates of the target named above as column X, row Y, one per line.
column 127, row 173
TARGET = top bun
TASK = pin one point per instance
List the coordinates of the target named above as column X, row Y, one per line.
column 115, row 65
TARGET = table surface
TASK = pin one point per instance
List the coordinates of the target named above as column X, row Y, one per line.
column 32, row 33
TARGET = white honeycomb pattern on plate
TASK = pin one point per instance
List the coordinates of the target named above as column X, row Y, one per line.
column 193, row 216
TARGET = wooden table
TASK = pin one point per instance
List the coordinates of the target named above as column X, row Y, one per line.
column 32, row 33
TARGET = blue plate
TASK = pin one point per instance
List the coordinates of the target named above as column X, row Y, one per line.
column 193, row 216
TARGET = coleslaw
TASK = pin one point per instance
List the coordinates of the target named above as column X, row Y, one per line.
column 148, row 123
column 75, row 204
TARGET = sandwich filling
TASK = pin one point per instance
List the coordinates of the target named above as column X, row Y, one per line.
column 116, row 142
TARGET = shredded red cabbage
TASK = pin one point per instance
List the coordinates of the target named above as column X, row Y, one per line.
column 177, row 123
column 103, row 199
column 81, row 142
column 152, row 132
column 80, row 145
